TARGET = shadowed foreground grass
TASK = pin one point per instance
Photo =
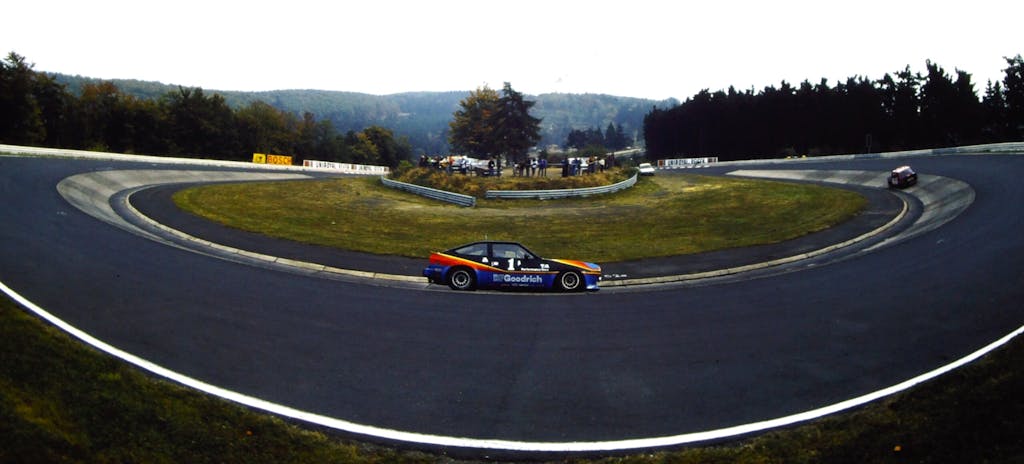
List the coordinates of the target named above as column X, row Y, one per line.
column 61, row 401
column 660, row 216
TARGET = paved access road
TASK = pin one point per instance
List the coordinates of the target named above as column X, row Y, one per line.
column 525, row 368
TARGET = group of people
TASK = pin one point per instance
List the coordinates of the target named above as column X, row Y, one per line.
column 453, row 164
column 593, row 164
column 529, row 167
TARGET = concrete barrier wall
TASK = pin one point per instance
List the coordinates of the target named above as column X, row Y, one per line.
column 987, row 149
column 95, row 155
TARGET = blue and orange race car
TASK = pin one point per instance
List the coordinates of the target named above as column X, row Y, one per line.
column 508, row 265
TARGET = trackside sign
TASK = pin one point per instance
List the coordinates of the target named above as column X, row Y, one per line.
column 683, row 163
column 347, row 168
column 261, row 158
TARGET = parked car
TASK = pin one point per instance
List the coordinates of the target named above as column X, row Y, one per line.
column 902, row 176
column 491, row 264
column 646, row 169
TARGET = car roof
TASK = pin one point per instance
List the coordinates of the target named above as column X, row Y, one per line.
column 491, row 242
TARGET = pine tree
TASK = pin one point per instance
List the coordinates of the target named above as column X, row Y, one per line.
column 1013, row 90
column 516, row 131
column 994, row 103
column 21, row 120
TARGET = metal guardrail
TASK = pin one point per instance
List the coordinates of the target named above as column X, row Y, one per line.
column 561, row 193
column 456, row 198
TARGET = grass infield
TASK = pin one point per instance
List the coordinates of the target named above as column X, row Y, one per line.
column 660, row 216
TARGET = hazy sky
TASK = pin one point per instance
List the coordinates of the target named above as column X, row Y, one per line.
column 638, row 48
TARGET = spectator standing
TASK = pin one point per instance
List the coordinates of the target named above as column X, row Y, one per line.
column 543, row 165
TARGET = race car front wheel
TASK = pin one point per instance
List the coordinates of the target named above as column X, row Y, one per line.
column 461, row 279
column 570, row 281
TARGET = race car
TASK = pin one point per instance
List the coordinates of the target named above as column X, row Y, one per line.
column 509, row 265
column 902, row 176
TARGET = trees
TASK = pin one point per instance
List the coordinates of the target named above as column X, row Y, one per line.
column 57, row 110
column 21, row 120
column 1013, row 89
column 201, row 125
column 389, row 151
column 614, row 138
column 102, row 114
column 937, row 100
column 515, row 130
column 900, row 104
column 897, row 112
column 471, row 130
column 265, row 129
column 488, row 125
column 994, row 104
column 36, row 110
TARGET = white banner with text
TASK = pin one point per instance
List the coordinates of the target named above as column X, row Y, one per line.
column 347, row 168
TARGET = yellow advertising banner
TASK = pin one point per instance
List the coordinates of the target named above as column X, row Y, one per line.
column 279, row 159
column 262, row 158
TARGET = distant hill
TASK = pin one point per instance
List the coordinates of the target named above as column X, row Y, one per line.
column 422, row 117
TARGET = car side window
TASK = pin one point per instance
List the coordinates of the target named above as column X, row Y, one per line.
column 476, row 249
column 508, row 250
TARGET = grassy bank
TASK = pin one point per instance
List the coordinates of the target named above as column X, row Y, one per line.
column 63, row 402
column 478, row 186
column 660, row 216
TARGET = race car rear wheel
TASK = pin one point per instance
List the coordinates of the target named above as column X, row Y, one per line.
column 461, row 279
column 570, row 281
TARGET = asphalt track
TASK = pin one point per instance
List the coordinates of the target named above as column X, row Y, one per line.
column 652, row 366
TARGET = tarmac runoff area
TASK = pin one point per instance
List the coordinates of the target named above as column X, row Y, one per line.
column 138, row 201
